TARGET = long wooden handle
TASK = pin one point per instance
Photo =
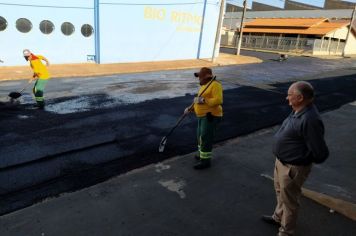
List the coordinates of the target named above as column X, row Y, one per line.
column 191, row 107
column 28, row 84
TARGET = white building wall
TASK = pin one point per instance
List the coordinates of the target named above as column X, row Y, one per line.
column 341, row 33
column 57, row 47
column 338, row 34
column 351, row 45
column 129, row 32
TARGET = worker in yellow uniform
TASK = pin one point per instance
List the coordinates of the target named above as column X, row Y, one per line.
column 40, row 74
column 209, row 112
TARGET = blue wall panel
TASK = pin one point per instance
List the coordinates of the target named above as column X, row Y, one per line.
column 133, row 33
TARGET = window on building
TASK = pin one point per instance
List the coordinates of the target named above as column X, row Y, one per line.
column 46, row 27
column 3, row 23
column 67, row 28
column 87, row 30
column 23, row 25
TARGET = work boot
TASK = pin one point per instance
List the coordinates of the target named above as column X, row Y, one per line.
column 37, row 107
column 202, row 164
column 41, row 105
column 270, row 220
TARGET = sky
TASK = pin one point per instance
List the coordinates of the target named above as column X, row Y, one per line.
column 280, row 3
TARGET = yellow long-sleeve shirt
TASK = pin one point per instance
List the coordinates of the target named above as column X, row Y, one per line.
column 213, row 97
column 39, row 68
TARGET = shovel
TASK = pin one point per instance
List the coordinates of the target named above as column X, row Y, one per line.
column 16, row 95
column 164, row 139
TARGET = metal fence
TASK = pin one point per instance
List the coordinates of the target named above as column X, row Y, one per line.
column 332, row 47
column 285, row 44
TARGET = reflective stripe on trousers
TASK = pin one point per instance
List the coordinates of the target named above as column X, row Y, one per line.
column 206, row 133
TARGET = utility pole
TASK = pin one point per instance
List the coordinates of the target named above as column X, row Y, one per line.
column 241, row 28
column 97, row 31
column 201, row 29
column 349, row 31
column 218, row 30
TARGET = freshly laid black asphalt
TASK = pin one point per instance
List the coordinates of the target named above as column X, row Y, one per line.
column 47, row 153
column 170, row 198
column 88, row 133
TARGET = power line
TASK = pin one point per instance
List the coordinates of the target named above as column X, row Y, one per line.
column 157, row 4
column 44, row 6
column 108, row 3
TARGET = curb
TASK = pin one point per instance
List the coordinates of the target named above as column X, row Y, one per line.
column 345, row 208
column 107, row 69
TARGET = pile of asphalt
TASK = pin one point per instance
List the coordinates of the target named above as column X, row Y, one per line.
column 132, row 134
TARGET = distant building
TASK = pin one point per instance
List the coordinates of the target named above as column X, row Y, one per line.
column 232, row 19
column 331, row 14
column 316, row 35
column 294, row 5
column 338, row 4
column 233, row 8
column 256, row 6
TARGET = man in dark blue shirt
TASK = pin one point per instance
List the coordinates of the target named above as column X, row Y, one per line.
column 298, row 143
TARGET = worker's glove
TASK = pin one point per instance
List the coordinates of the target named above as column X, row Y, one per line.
column 199, row 100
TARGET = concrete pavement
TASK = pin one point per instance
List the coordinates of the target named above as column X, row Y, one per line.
column 91, row 69
column 97, row 127
column 170, row 198
column 72, row 95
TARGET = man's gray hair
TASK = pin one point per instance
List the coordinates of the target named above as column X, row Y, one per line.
column 305, row 89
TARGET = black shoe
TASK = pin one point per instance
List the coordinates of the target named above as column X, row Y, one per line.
column 41, row 105
column 197, row 157
column 202, row 164
column 270, row 220
column 38, row 107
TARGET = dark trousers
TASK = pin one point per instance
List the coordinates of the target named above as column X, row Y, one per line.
column 38, row 89
column 206, row 133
